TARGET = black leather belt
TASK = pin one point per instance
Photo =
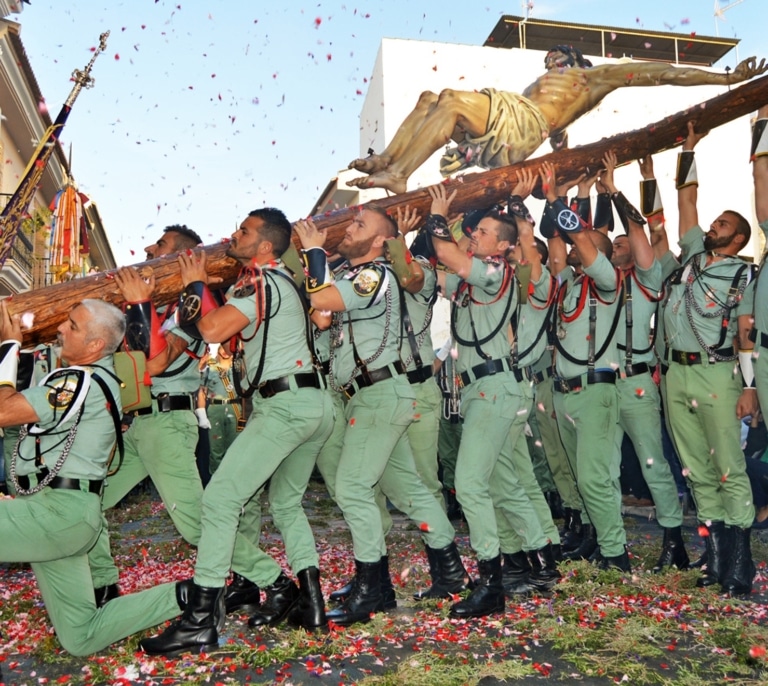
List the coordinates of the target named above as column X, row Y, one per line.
column 275, row 386
column 223, row 401
column 538, row 377
column 688, row 359
column 485, row 369
column 165, row 403
column 373, row 376
column 567, row 385
column 63, row 482
column 664, row 369
column 420, row 375
column 635, row 369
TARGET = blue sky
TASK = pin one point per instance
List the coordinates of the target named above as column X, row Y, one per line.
column 203, row 111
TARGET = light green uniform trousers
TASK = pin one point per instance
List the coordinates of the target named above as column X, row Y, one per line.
column 562, row 475
column 538, row 458
column 330, row 454
column 759, row 366
column 54, row 529
column 222, row 433
column 640, row 419
column 489, row 477
column 701, row 402
column 422, row 437
column 376, row 451
column 448, row 441
column 588, row 421
column 282, row 439
column 160, row 445
column 513, row 541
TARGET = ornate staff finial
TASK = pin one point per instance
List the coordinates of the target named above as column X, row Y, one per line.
column 82, row 77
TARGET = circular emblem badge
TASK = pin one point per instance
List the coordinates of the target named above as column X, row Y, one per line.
column 366, row 282
column 568, row 220
column 61, row 395
column 190, row 308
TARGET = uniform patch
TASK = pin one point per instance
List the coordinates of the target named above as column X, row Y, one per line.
column 60, row 397
column 62, row 391
column 366, row 282
column 244, row 288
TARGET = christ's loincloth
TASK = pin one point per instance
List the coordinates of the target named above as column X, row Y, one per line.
column 516, row 128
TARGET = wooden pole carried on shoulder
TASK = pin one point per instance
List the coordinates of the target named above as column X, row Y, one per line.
column 51, row 305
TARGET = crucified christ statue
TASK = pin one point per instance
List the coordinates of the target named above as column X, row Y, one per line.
column 498, row 128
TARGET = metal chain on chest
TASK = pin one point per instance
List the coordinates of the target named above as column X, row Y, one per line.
column 336, row 337
column 692, row 305
column 53, row 473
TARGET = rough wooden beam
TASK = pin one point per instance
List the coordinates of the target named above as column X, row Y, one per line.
column 50, row 305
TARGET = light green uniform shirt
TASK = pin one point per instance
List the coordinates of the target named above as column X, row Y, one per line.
column 643, row 313
column 669, row 264
column 371, row 320
column 287, row 351
column 574, row 336
column 532, row 322
column 761, row 295
column 419, row 307
column 183, row 374
column 487, row 299
column 709, row 289
column 95, row 435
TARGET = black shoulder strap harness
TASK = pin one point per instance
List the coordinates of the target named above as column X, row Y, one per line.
column 361, row 365
column 238, row 363
column 744, row 274
column 69, row 438
column 476, row 341
column 628, row 347
column 415, row 340
column 112, row 405
column 589, row 293
column 546, row 324
column 192, row 355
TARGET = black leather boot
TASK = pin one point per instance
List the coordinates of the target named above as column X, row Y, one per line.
column 586, row 547
column 452, row 507
column 718, row 550
column 341, row 594
column 365, row 598
column 387, row 589
column 544, row 573
column 557, row 552
column 281, row 597
column 515, row 569
column 701, row 562
column 488, row 594
column 309, row 612
column 620, row 562
column 673, row 552
column 567, row 515
column 242, row 595
column 195, row 631
column 555, row 503
column 106, row 593
column 572, row 536
column 740, row 568
column 432, row 561
column 450, row 577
